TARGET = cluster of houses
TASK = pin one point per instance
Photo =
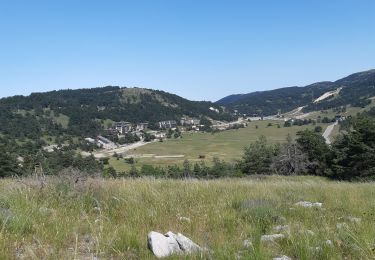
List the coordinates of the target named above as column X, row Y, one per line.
column 122, row 127
column 168, row 124
column 126, row 127
column 185, row 121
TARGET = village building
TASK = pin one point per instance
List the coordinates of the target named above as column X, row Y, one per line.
column 141, row 127
column 122, row 127
column 157, row 134
column 106, row 143
column 167, row 124
column 189, row 121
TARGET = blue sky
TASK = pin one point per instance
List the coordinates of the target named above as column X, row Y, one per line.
column 199, row 49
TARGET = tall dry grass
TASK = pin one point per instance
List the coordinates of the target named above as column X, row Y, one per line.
column 81, row 219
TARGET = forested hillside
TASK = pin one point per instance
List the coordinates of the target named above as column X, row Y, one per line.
column 356, row 91
column 85, row 112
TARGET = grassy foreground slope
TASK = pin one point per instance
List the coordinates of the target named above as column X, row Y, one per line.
column 111, row 218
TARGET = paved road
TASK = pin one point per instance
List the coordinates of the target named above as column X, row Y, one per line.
column 120, row 150
column 328, row 132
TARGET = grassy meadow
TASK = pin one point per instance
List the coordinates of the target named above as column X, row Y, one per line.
column 226, row 145
column 110, row 219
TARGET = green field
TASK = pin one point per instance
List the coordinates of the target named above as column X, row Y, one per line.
column 226, row 145
column 110, row 219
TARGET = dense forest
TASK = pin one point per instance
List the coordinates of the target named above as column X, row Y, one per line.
column 356, row 91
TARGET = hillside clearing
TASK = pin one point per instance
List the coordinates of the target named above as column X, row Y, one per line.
column 327, row 95
column 111, row 218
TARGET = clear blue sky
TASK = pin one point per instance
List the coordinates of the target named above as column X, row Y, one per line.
column 199, row 49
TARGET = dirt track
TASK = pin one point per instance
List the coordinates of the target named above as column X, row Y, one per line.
column 119, row 150
column 328, row 132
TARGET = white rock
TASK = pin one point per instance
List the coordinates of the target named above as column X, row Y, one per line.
column 184, row 219
column 354, row 220
column 308, row 204
column 247, row 243
column 271, row 238
column 163, row 246
column 186, row 244
column 341, row 225
column 282, row 257
column 280, row 228
column 329, row 243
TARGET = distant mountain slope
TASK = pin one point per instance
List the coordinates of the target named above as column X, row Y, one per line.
column 83, row 112
column 356, row 89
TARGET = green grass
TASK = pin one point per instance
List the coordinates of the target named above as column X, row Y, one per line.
column 110, row 219
column 61, row 119
column 107, row 123
column 226, row 145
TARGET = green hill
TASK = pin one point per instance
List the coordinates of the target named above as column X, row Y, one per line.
column 85, row 112
column 356, row 91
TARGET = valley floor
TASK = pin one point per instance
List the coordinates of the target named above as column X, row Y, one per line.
column 62, row 218
column 227, row 145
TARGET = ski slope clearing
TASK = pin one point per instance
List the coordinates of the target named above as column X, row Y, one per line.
column 327, row 95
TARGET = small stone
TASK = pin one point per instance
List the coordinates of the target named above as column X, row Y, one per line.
column 354, row 220
column 282, row 257
column 184, row 219
column 341, row 225
column 272, row 238
column 247, row 243
column 329, row 243
column 308, row 204
column 281, row 228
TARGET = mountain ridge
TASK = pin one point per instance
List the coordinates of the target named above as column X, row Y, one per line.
column 87, row 111
column 357, row 88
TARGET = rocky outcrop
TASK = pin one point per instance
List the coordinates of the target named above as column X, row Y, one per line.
column 162, row 245
column 171, row 243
